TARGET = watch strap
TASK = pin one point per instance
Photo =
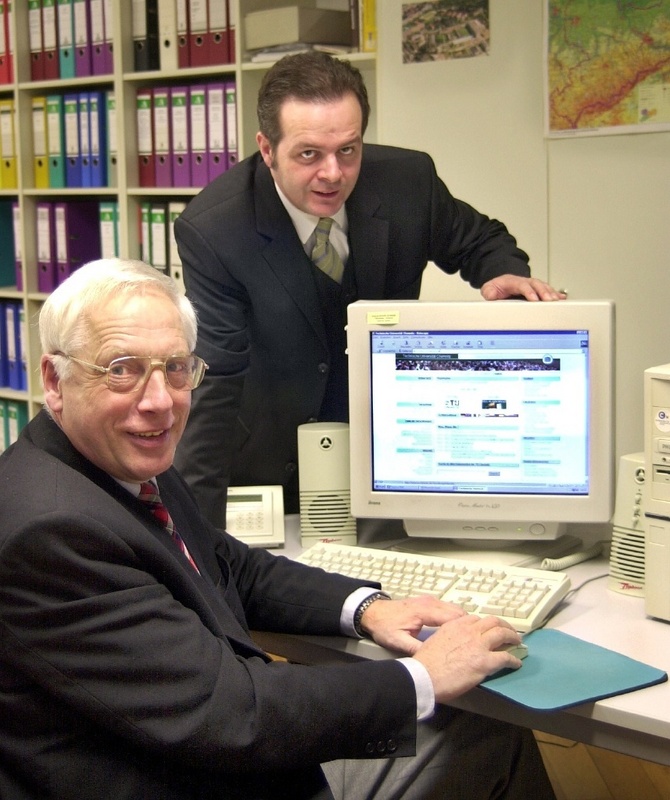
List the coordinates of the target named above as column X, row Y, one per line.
column 363, row 607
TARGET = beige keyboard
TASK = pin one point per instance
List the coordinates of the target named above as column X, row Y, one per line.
column 523, row 596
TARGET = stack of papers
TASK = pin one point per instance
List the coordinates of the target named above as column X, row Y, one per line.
column 281, row 50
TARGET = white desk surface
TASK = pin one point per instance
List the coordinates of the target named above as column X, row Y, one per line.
column 637, row 723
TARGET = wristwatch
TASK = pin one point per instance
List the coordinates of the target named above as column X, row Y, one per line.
column 363, row 607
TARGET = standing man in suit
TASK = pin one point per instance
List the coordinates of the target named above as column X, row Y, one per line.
column 271, row 322
column 127, row 669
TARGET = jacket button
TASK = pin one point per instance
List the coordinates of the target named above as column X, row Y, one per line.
column 381, row 747
column 291, row 468
column 323, row 368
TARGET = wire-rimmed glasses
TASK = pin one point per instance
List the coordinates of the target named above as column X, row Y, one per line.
column 130, row 373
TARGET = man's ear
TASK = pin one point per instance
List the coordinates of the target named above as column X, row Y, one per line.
column 265, row 149
column 51, row 384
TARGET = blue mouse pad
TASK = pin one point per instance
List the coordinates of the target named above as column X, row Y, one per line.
column 562, row 671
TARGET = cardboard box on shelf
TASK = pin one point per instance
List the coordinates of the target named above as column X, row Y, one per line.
column 276, row 26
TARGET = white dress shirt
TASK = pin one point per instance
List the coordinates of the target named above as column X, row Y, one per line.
column 306, row 223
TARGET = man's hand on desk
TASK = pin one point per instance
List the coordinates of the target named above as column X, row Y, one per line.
column 396, row 624
column 505, row 286
column 463, row 650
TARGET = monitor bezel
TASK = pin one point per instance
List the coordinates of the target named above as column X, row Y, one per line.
column 528, row 512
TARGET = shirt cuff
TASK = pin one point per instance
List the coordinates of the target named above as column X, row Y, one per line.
column 425, row 694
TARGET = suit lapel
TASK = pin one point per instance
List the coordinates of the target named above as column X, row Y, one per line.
column 283, row 252
column 221, row 596
column 368, row 240
column 205, row 596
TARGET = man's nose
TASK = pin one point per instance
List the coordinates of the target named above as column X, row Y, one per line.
column 330, row 169
column 156, row 389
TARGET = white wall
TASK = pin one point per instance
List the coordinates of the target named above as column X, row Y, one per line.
column 592, row 212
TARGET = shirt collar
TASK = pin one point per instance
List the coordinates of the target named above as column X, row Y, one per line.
column 134, row 488
column 305, row 223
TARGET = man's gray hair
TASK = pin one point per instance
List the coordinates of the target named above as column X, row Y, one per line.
column 65, row 317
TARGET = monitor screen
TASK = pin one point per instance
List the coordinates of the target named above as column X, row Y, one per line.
column 482, row 420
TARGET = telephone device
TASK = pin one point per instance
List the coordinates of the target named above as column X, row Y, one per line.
column 255, row 515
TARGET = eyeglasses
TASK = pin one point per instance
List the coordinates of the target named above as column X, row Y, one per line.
column 130, row 373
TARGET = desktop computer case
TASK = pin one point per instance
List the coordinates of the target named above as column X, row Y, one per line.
column 627, row 569
column 657, row 472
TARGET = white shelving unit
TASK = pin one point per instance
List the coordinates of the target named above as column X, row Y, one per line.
column 125, row 82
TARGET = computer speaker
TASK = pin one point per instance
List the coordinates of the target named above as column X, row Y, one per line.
column 325, row 494
column 627, row 560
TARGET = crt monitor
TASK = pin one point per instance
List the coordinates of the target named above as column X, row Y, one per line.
column 482, row 420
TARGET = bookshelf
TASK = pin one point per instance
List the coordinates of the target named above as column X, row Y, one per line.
column 124, row 81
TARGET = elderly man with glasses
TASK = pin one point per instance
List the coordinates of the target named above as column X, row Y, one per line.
column 127, row 669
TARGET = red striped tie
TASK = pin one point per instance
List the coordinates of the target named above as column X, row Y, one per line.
column 149, row 495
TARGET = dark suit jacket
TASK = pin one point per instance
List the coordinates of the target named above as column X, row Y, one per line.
column 261, row 328
column 124, row 674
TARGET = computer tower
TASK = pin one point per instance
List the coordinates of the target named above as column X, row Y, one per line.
column 657, row 511
column 325, row 494
column 627, row 569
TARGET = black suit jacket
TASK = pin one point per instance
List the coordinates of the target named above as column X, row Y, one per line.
column 260, row 325
column 125, row 674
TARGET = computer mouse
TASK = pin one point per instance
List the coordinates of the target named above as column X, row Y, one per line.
column 519, row 650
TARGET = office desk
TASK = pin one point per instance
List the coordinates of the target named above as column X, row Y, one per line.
column 637, row 724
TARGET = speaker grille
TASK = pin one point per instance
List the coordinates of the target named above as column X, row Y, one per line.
column 626, row 573
column 326, row 513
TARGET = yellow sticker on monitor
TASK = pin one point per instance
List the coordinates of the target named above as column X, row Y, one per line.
column 383, row 317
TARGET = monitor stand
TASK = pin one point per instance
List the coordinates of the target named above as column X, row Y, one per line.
column 513, row 543
column 390, row 534
column 505, row 553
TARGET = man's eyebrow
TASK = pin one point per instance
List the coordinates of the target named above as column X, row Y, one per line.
column 307, row 145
